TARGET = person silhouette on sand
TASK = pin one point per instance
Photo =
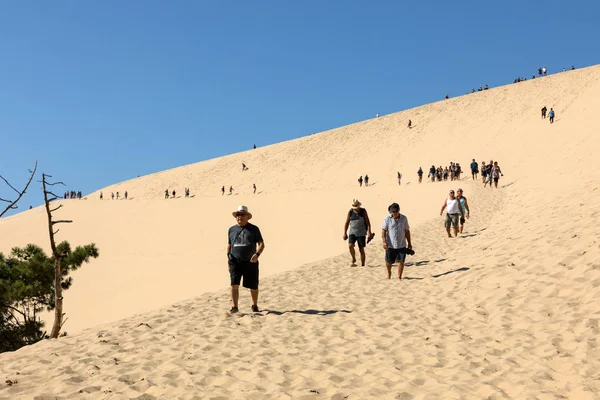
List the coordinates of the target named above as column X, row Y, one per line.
column 358, row 221
column 551, row 115
column 360, row 181
column 420, row 174
column 223, row 190
column 366, row 180
column 409, row 124
column 244, row 247
column 254, row 187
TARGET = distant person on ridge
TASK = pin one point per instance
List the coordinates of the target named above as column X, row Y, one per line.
column 254, row 187
column 377, row 116
column 244, row 167
column 223, row 190
column 551, row 115
column 409, row 124
column 112, row 195
column 486, row 87
column 126, row 194
column 101, row 197
column 395, row 233
column 173, row 193
column 399, row 178
column 244, row 247
column 420, row 174
column 453, row 211
column 366, row 180
column 474, row 169
column 230, row 190
column 544, row 71
column 572, row 67
column 166, row 193
column 544, row 110
column 117, row 195
column 360, row 181
column 358, row 221
column 447, row 97
column 255, row 145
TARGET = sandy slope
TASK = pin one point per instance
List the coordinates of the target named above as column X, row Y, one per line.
column 509, row 310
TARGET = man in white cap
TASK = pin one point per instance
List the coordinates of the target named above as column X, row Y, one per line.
column 358, row 221
column 244, row 247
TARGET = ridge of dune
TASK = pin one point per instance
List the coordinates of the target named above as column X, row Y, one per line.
column 508, row 310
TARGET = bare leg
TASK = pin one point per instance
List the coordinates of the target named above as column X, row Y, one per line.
column 363, row 256
column 400, row 269
column 352, row 253
column 235, row 294
column 460, row 228
column 455, row 231
column 448, row 230
column 389, row 270
column 254, row 294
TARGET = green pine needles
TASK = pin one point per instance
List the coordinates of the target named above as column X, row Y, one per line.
column 27, row 287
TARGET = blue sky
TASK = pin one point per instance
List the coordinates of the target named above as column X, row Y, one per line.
column 104, row 91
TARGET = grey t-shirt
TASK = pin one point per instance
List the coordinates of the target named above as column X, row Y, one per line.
column 243, row 240
column 358, row 224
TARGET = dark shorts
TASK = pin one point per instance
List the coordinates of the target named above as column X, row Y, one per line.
column 451, row 219
column 495, row 179
column 245, row 269
column 394, row 255
column 362, row 240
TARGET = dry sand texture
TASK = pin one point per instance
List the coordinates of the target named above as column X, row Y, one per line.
column 508, row 310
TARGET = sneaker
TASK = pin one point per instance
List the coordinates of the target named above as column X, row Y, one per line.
column 233, row 310
column 255, row 308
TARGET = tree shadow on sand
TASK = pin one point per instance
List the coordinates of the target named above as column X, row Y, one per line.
column 308, row 312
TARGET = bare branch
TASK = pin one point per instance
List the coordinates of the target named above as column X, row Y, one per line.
column 52, row 199
column 8, row 201
column 55, row 183
column 65, row 320
column 12, row 205
column 9, row 185
column 62, row 221
column 54, row 209
column 54, row 233
column 53, row 194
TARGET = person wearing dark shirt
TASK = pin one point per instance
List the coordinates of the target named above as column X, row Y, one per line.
column 245, row 245
column 474, row 169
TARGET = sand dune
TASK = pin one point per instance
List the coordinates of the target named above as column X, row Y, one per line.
column 508, row 310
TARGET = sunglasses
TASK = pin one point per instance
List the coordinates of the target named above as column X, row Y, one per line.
column 240, row 214
column 451, row 192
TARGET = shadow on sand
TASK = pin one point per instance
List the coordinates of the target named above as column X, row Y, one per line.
column 451, row 272
column 308, row 312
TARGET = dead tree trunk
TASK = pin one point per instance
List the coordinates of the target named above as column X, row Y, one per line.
column 13, row 203
column 58, row 298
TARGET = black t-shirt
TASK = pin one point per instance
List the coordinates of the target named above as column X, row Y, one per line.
column 243, row 240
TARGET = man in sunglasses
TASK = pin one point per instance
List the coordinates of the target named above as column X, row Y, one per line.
column 453, row 211
column 244, row 247
column 395, row 234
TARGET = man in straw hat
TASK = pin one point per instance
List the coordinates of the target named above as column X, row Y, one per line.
column 358, row 221
column 395, row 234
column 243, row 250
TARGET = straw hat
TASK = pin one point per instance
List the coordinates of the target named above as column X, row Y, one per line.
column 356, row 203
column 243, row 210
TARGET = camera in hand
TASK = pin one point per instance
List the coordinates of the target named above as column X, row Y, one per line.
column 408, row 251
